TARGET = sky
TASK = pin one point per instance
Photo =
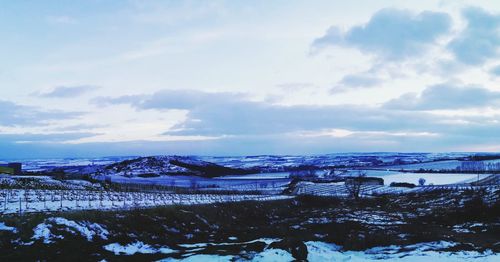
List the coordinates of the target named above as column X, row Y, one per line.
column 101, row 78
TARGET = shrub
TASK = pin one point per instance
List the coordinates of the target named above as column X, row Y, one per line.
column 402, row 184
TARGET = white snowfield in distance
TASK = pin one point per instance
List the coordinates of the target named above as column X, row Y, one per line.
column 18, row 200
column 430, row 178
column 437, row 165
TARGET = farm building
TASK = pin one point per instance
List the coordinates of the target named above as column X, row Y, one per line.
column 364, row 181
column 11, row 168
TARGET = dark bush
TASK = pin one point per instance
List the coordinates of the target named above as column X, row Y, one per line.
column 148, row 175
column 475, row 208
column 296, row 247
column 402, row 184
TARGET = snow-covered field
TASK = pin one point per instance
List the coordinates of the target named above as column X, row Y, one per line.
column 281, row 162
column 430, row 178
column 46, row 182
column 437, row 165
column 270, row 163
column 269, row 185
column 339, row 189
column 14, row 200
column 44, row 164
column 276, row 175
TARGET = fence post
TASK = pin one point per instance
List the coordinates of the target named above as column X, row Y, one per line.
column 62, row 195
column 20, row 204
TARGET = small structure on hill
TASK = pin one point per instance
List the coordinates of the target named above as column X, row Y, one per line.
column 11, row 168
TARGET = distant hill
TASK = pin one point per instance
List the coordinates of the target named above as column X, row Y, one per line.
column 169, row 165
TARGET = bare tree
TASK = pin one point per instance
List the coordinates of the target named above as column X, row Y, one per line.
column 478, row 166
column 353, row 184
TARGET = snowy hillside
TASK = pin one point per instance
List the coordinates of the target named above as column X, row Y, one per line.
column 273, row 163
column 145, row 166
column 155, row 166
column 189, row 165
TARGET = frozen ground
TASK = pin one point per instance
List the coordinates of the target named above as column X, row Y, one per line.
column 55, row 229
column 321, row 251
column 88, row 230
column 404, row 227
column 47, row 182
column 433, row 251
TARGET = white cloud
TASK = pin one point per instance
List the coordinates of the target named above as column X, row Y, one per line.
column 216, row 77
column 391, row 34
column 68, row 91
column 446, row 96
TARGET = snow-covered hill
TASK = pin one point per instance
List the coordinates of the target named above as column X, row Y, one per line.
column 273, row 163
column 212, row 166
column 167, row 165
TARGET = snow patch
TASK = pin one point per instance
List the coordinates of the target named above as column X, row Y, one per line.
column 130, row 249
column 321, row 251
column 4, row 227
column 42, row 231
column 271, row 255
column 432, row 251
column 266, row 241
column 86, row 229
column 136, row 247
column 201, row 258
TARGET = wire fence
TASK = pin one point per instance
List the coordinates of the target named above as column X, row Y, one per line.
column 28, row 201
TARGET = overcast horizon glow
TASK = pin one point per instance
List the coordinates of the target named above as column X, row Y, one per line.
column 97, row 78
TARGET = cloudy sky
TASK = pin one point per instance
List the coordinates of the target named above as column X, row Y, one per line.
column 94, row 78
